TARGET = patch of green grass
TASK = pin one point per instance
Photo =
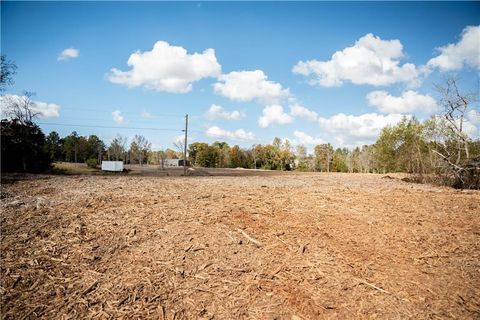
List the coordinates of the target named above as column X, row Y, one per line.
column 73, row 168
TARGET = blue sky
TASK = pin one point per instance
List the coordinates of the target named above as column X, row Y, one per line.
column 311, row 72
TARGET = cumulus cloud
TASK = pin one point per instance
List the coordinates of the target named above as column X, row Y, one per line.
column 43, row 109
column 240, row 134
column 67, row 54
column 167, row 68
column 350, row 130
column 117, row 117
column 465, row 52
column 471, row 129
column 370, row 60
column 46, row 110
column 274, row 114
column 297, row 110
column 409, row 101
column 473, row 116
column 471, row 125
column 217, row 112
column 250, row 85
column 303, row 138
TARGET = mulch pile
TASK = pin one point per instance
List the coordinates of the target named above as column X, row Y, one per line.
column 292, row 246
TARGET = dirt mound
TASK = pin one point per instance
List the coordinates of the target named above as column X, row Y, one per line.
column 199, row 172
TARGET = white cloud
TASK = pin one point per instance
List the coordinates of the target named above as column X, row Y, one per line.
column 370, row 60
column 274, row 114
column 350, row 130
column 465, row 52
column 473, row 116
column 409, row 101
column 44, row 109
column 167, row 68
column 248, row 86
column 471, row 129
column 67, row 54
column 471, row 125
column 217, row 112
column 240, row 134
column 297, row 110
column 117, row 117
column 303, row 138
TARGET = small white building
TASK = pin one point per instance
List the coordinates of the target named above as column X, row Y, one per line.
column 112, row 166
column 174, row 163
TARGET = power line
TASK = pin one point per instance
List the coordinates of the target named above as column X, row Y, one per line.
column 108, row 127
column 156, row 115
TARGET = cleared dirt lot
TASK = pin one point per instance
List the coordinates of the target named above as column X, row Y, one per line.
column 263, row 246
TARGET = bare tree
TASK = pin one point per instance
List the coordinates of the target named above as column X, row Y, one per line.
column 117, row 148
column 162, row 156
column 179, row 145
column 8, row 69
column 139, row 148
column 22, row 109
column 452, row 144
column 455, row 106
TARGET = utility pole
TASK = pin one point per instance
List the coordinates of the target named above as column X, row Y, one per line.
column 185, row 147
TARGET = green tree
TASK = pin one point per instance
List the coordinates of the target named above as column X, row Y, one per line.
column 273, row 156
column 339, row 161
column 22, row 141
column 385, row 150
column 223, row 153
column 238, row 158
column 208, row 157
column 193, row 150
column 301, row 158
column 269, row 157
column 23, row 147
column 116, row 150
column 95, row 148
column 323, row 157
column 70, row 147
column 54, row 146
column 402, row 147
column 286, row 156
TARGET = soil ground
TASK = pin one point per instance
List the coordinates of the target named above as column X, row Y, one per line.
column 238, row 245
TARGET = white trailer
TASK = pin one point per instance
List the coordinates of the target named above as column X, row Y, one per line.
column 112, row 166
column 174, row 163
column 170, row 162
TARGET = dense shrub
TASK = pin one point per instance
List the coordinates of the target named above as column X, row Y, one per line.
column 92, row 163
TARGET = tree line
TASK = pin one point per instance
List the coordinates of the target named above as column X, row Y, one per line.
column 92, row 150
column 437, row 149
